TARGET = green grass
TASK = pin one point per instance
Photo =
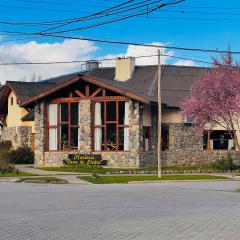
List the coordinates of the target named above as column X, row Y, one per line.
column 122, row 170
column 21, row 174
column 84, row 170
column 127, row 179
column 52, row 180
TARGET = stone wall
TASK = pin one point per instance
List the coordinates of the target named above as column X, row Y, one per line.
column 40, row 134
column 186, row 148
column 130, row 158
column 19, row 136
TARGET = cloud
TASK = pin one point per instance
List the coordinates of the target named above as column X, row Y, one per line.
column 67, row 50
column 43, row 52
column 185, row 63
column 138, row 51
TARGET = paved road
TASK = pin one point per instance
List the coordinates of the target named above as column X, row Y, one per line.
column 167, row 211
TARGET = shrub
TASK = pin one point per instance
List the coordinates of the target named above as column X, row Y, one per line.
column 225, row 163
column 22, row 155
column 5, row 148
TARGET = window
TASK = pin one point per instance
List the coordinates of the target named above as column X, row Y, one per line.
column 147, row 138
column 11, row 101
column 111, row 120
column 165, row 137
column 63, row 125
column 217, row 140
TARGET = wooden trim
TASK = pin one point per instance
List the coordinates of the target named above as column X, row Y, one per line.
column 117, row 90
column 106, row 123
column 100, row 99
column 87, row 91
column 79, row 93
column 96, row 92
column 52, row 90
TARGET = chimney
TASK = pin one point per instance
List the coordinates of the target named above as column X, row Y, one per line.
column 124, row 68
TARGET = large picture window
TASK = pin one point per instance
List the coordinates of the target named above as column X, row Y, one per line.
column 217, row 140
column 111, row 125
column 63, row 126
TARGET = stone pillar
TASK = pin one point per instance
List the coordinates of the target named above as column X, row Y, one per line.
column 85, row 126
column 135, row 134
column 40, row 133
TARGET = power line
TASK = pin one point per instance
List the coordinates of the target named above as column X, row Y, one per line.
column 99, row 60
column 146, row 12
column 92, row 15
column 117, row 42
column 143, row 45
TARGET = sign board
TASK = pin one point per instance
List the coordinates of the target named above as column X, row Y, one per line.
column 88, row 159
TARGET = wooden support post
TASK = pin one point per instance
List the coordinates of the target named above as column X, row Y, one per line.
column 159, row 116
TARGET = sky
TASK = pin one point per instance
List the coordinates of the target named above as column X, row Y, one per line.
column 209, row 24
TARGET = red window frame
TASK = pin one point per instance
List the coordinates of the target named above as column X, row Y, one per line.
column 59, row 124
column 105, row 123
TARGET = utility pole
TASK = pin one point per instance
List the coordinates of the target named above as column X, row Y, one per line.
column 159, row 116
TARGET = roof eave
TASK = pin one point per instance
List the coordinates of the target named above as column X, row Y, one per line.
column 87, row 79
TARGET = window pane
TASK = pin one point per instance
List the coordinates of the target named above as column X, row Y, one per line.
column 64, row 137
column 220, row 139
column 74, row 113
column 165, row 137
column 147, row 138
column 121, row 112
column 111, row 137
column 99, row 139
column 63, row 112
column 111, row 111
column 52, row 139
column 121, row 138
column 52, row 114
column 74, row 138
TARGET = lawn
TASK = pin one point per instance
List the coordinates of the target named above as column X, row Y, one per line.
column 52, row 180
column 124, row 170
column 127, row 179
column 20, row 174
column 85, row 170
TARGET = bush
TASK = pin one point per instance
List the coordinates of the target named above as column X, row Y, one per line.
column 22, row 155
column 225, row 163
column 5, row 149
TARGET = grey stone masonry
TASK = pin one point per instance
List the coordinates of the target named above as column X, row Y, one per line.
column 19, row 136
column 85, row 126
column 129, row 158
column 186, row 148
column 40, row 134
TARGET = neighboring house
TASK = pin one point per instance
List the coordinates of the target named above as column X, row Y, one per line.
column 112, row 112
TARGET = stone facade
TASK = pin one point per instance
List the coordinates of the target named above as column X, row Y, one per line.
column 19, row 136
column 186, row 148
column 131, row 158
column 40, row 133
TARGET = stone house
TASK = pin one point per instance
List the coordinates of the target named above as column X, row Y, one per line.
column 111, row 112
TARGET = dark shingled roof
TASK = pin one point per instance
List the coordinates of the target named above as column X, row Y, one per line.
column 29, row 116
column 176, row 82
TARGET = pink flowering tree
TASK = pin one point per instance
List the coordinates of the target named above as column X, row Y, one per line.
column 214, row 99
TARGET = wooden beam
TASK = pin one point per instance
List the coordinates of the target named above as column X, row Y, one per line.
column 96, row 92
column 87, row 91
column 80, row 94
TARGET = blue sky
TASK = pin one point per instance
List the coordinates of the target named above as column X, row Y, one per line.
column 203, row 24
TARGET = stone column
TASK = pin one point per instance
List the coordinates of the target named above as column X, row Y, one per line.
column 40, row 133
column 135, row 134
column 85, row 126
